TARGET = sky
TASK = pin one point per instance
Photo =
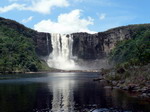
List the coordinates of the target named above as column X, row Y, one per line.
column 69, row 16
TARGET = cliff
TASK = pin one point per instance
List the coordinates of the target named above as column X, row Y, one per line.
column 39, row 38
column 95, row 46
column 88, row 46
column 85, row 46
column 43, row 44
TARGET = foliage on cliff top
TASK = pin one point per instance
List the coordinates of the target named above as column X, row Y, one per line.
column 134, row 29
column 135, row 50
column 17, row 52
column 29, row 33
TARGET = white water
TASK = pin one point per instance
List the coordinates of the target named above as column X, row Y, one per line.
column 61, row 56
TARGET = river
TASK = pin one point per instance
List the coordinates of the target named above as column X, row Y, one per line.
column 64, row 92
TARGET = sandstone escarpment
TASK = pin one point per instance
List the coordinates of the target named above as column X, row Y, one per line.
column 95, row 46
column 92, row 46
column 43, row 44
column 85, row 46
column 99, row 45
column 88, row 46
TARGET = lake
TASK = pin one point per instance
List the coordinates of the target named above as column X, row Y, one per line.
column 64, row 92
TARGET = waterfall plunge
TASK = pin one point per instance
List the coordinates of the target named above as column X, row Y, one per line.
column 61, row 56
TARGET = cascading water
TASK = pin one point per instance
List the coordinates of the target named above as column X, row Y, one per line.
column 61, row 56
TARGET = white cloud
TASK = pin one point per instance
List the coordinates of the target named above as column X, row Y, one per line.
column 45, row 6
column 66, row 23
column 40, row 6
column 11, row 7
column 27, row 20
column 102, row 16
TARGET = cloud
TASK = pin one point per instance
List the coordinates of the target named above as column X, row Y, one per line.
column 40, row 6
column 102, row 16
column 45, row 6
column 27, row 20
column 11, row 7
column 66, row 23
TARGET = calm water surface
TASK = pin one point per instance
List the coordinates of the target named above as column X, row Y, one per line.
column 63, row 92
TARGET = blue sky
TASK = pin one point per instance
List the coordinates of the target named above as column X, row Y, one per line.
column 68, row 16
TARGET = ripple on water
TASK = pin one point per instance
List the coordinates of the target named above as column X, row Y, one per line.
column 109, row 110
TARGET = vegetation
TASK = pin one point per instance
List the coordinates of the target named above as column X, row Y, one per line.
column 133, row 51
column 17, row 49
column 17, row 52
column 132, row 62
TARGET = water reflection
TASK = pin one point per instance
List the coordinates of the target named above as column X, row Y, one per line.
column 65, row 92
column 63, row 99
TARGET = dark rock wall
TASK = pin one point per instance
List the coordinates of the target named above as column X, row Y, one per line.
column 96, row 46
column 111, row 37
column 42, row 49
column 86, row 46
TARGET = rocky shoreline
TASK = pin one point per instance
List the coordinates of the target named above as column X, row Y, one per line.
column 139, row 91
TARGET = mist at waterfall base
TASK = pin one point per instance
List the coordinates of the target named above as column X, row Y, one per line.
column 62, row 58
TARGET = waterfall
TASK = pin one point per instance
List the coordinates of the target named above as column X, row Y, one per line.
column 61, row 56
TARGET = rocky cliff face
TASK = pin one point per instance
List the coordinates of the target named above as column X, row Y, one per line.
column 43, row 44
column 88, row 46
column 85, row 46
column 91, row 46
column 95, row 46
